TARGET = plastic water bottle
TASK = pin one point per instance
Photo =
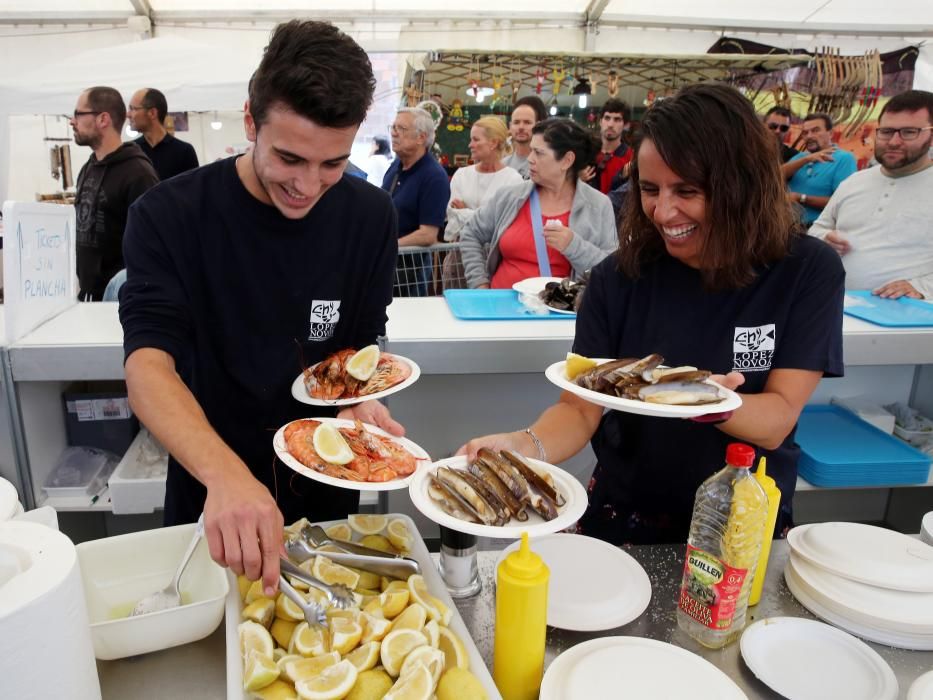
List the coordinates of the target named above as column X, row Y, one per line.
column 722, row 551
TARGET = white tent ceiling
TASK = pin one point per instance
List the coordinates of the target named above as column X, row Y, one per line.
column 866, row 17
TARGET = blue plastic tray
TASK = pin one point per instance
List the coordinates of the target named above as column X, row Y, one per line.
column 840, row 449
column 893, row 313
column 494, row 305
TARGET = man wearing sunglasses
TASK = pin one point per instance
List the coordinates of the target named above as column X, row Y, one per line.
column 111, row 180
column 778, row 119
column 880, row 220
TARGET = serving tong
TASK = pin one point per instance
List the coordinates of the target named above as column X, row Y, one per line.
column 337, row 594
column 304, row 545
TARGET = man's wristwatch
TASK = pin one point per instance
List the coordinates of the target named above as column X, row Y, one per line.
column 803, row 199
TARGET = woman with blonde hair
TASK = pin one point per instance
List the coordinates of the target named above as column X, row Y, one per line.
column 474, row 185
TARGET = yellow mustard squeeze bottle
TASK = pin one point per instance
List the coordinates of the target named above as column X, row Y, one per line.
column 521, row 623
column 774, row 502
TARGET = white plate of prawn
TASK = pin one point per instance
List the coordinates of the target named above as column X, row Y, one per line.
column 328, row 384
column 382, row 462
column 573, row 496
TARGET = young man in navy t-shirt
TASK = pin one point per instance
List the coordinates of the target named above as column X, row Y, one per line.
column 244, row 271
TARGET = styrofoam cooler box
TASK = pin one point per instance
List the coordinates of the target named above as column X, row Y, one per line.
column 137, row 485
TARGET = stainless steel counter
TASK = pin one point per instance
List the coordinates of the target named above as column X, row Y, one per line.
column 197, row 670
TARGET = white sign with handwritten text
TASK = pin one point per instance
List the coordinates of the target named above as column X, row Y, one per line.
column 38, row 264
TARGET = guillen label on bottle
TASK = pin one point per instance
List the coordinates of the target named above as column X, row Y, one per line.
column 710, row 589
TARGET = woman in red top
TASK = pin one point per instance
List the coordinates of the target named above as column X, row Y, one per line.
column 498, row 243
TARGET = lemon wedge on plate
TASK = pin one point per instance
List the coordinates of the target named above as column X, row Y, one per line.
column 362, row 365
column 255, row 637
column 260, row 671
column 399, row 535
column 334, row 682
column 340, row 531
column 577, row 365
column 330, row 445
column 367, row 523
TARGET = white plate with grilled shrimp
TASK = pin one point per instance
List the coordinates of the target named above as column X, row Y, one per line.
column 332, row 388
column 676, row 385
column 521, row 495
column 382, row 462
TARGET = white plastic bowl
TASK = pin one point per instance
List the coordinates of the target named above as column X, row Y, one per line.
column 926, row 528
column 119, row 571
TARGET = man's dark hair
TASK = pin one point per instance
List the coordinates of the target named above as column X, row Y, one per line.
column 153, row 99
column 827, row 120
column 728, row 154
column 616, row 107
column 780, row 111
column 910, row 101
column 315, row 70
column 106, row 99
column 564, row 135
column 535, row 103
column 382, row 146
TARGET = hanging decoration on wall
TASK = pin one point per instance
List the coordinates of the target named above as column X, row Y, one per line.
column 455, row 120
column 612, row 83
column 434, row 109
column 558, row 75
column 516, row 82
column 539, row 78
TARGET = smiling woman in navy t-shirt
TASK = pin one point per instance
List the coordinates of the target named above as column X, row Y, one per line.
column 711, row 272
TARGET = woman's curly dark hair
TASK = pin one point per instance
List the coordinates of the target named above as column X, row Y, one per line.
column 710, row 136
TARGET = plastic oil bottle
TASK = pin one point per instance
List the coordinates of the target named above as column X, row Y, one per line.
column 722, row 551
column 521, row 624
column 774, row 502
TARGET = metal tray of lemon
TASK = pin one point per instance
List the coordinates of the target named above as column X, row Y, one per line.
column 402, row 640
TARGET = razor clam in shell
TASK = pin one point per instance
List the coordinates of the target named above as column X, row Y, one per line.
column 495, row 489
column 645, row 380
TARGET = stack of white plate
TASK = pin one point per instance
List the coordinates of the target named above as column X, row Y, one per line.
column 875, row 583
column 926, row 528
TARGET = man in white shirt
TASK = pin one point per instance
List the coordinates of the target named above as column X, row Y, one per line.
column 880, row 220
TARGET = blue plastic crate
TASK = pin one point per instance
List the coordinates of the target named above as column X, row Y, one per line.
column 840, row 449
column 495, row 305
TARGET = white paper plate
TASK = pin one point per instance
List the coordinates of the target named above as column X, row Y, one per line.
column 567, row 514
column 885, row 608
column 926, row 528
column 580, row 596
column 634, row 667
column 922, row 688
column 424, row 460
column 300, row 393
column 528, row 290
column 435, row 584
column 808, row 600
column 809, row 660
column 556, row 374
column 866, row 554
column 533, row 285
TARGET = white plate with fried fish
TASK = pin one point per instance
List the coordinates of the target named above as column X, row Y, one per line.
column 729, row 401
column 569, row 511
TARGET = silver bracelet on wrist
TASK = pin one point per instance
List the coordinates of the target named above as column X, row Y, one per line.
column 542, row 454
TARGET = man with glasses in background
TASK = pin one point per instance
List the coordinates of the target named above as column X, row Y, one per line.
column 146, row 112
column 813, row 176
column 880, row 220
column 778, row 119
column 420, row 191
column 113, row 178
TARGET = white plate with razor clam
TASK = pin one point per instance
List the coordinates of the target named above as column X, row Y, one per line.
column 497, row 496
column 655, row 390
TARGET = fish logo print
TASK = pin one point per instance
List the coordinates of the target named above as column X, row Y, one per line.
column 324, row 318
column 753, row 348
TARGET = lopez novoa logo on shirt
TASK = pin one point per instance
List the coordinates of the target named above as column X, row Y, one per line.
column 753, row 348
column 324, row 318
